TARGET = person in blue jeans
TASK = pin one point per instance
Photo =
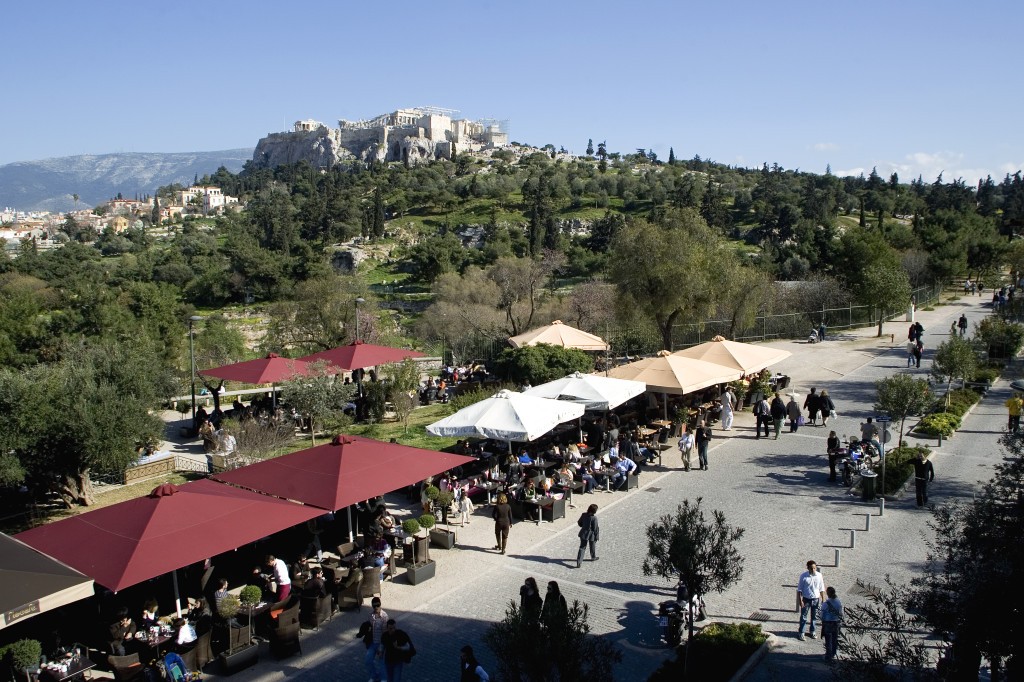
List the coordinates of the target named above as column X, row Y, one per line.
column 810, row 592
column 831, row 619
column 372, row 631
column 398, row 650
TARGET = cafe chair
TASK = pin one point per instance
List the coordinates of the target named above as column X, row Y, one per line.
column 126, row 667
column 203, row 649
column 351, row 596
column 284, row 639
column 370, row 582
column 346, row 548
column 315, row 610
column 190, row 657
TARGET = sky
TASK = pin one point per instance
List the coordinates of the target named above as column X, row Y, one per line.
column 907, row 86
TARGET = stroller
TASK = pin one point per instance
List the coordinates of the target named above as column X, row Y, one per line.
column 813, row 336
column 175, row 669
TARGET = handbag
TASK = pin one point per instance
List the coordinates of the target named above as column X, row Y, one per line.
column 831, row 414
column 800, row 421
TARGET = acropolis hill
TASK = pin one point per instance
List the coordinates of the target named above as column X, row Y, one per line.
column 407, row 135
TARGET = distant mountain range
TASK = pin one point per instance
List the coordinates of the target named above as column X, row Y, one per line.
column 48, row 185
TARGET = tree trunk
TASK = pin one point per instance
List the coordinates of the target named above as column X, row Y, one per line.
column 76, row 489
column 881, row 318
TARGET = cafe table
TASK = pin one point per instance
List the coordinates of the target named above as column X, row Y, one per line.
column 54, row 672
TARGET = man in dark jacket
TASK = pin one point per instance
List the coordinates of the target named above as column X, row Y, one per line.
column 778, row 413
column 590, row 533
column 924, row 472
column 703, row 438
column 812, row 404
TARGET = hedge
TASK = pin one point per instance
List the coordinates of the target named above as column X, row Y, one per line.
column 718, row 651
column 944, row 423
column 899, row 467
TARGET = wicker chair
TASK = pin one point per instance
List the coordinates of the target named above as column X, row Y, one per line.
column 126, row 667
column 284, row 639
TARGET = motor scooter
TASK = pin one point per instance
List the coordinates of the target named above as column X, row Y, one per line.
column 674, row 616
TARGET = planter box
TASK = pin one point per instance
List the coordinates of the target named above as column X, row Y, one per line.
column 418, row 573
column 444, row 539
column 239, row 659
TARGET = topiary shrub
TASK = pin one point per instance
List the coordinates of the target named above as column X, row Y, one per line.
column 229, row 606
column 944, row 423
column 432, row 492
column 427, row 521
column 250, row 595
column 24, row 653
column 411, row 526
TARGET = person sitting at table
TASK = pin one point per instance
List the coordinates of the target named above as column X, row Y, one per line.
column 524, row 457
column 209, row 437
column 315, row 586
column 299, row 571
column 122, row 630
column 623, row 468
column 184, row 636
column 150, row 613
column 384, row 519
column 280, row 575
column 592, row 475
column 220, row 592
column 529, row 496
column 572, row 452
column 378, row 552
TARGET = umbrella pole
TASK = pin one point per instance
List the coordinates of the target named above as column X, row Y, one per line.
column 273, row 394
column 177, row 597
column 348, row 510
column 664, row 403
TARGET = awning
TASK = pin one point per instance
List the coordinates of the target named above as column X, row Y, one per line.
column 558, row 334
column 359, row 354
column 593, row 391
column 31, row 582
column 746, row 357
column 508, row 416
column 673, row 374
column 269, row 370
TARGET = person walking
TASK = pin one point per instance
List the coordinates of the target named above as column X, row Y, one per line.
column 828, row 408
column 728, row 404
column 470, row 669
column 962, row 324
column 924, row 473
column 778, row 414
column 398, row 650
column 832, row 446
column 1014, row 405
column 530, row 602
column 812, row 404
column 555, row 612
column 831, row 620
column 703, row 439
column 685, row 445
column 502, row 515
column 794, row 413
column 763, row 414
column 372, row 632
column 590, row 533
column 918, row 351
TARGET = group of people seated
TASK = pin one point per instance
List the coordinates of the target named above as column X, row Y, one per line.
column 124, row 635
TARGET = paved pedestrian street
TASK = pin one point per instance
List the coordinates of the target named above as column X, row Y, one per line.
column 775, row 489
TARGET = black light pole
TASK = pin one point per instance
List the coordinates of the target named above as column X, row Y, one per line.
column 192, row 365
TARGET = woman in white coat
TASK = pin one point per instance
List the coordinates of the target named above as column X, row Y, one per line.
column 728, row 403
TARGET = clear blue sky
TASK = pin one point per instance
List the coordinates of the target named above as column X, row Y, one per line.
column 913, row 86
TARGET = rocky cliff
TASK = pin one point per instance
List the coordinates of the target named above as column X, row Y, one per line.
column 326, row 147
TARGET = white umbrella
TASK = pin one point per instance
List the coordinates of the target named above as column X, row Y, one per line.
column 508, row 416
column 590, row 390
column 559, row 334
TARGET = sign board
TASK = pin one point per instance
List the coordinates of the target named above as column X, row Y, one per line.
column 28, row 609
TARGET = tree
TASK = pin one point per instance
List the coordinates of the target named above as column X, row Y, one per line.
column 559, row 649
column 317, row 395
column 403, row 387
column 321, row 315
column 671, row 156
column 541, row 363
column 590, row 147
column 901, row 396
column 87, row 412
column 886, row 287
column 971, row 562
column 699, row 552
column 955, row 358
column 154, row 217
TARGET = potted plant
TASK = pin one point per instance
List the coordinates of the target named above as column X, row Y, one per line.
column 423, row 567
column 186, row 428
column 23, row 656
column 443, row 501
column 739, row 391
column 410, row 527
column 432, row 492
column 761, row 387
column 444, row 538
column 245, row 653
column 250, row 596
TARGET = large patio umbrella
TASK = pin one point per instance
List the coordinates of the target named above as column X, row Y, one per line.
column 593, row 391
column 31, row 582
column 675, row 374
column 348, row 470
column 559, row 334
column 268, row 370
column 508, row 416
column 747, row 357
column 174, row 526
column 360, row 354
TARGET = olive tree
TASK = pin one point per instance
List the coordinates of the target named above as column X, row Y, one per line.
column 955, row 358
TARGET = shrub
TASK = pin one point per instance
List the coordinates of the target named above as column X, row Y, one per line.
column 944, row 423
column 427, row 521
column 229, row 606
column 986, row 375
column 25, row 653
column 541, row 363
column 1002, row 339
column 444, row 499
column 432, row 492
column 411, row 526
column 717, row 652
column 250, row 595
column 899, row 467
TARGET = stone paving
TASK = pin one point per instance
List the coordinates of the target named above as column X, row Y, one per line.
column 776, row 490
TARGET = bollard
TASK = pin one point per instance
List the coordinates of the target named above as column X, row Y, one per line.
column 940, row 441
column 881, row 506
column 853, row 539
column 867, row 522
column 837, row 558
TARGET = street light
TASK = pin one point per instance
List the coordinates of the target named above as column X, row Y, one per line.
column 192, row 364
column 358, row 301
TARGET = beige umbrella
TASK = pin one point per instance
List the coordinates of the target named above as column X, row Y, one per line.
column 745, row 357
column 558, row 334
column 668, row 373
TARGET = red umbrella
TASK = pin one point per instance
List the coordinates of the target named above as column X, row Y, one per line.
column 360, row 354
column 174, row 526
column 348, row 470
column 268, row 370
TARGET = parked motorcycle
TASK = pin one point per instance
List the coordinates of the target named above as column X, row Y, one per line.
column 859, row 457
column 674, row 616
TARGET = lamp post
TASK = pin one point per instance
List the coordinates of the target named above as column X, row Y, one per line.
column 358, row 301
column 192, row 364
